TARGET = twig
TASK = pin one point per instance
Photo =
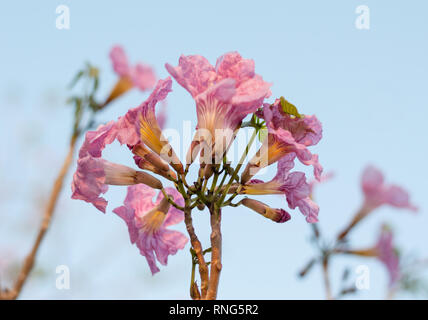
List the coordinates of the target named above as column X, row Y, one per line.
column 216, row 265
column 362, row 213
column 327, row 285
column 196, row 244
column 307, row 268
column 47, row 217
column 171, row 201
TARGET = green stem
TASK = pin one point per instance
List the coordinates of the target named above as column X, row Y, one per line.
column 233, row 196
column 171, row 201
column 214, row 183
column 238, row 167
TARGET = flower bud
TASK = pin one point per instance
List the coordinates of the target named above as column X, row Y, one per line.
column 147, row 179
column 277, row 215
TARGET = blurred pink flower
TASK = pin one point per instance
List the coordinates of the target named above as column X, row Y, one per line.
column 377, row 193
column 147, row 223
column 385, row 251
column 388, row 255
column 142, row 76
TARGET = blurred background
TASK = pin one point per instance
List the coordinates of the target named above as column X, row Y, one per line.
column 368, row 88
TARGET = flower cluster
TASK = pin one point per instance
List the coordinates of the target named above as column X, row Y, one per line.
column 224, row 94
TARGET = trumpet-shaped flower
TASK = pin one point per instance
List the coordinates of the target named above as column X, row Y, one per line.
column 387, row 254
column 287, row 135
column 293, row 185
column 148, row 127
column 96, row 141
column 377, row 193
column 127, row 125
column 224, row 94
column 385, row 251
column 140, row 76
column 147, row 223
column 93, row 175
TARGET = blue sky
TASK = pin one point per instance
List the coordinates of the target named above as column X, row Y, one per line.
column 368, row 87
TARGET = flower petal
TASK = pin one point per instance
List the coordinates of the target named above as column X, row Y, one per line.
column 128, row 215
column 194, row 73
column 377, row 193
column 96, row 141
column 89, row 182
column 119, row 61
column 154, row 244
column 143, row 76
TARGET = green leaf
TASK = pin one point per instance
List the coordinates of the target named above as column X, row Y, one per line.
column 289, row 108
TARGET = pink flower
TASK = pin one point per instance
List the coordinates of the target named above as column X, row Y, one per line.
column 149, row 129
column 292, row 185
column 388, row 255
column 120, row 61
column 140, row 126
column 287, row 135
column 96, row 141
column 224, row 94
column 142, row 76
column 139, row 130
column 93, row 175
column 127, row 125
column 377, row 193
column 147, row 223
